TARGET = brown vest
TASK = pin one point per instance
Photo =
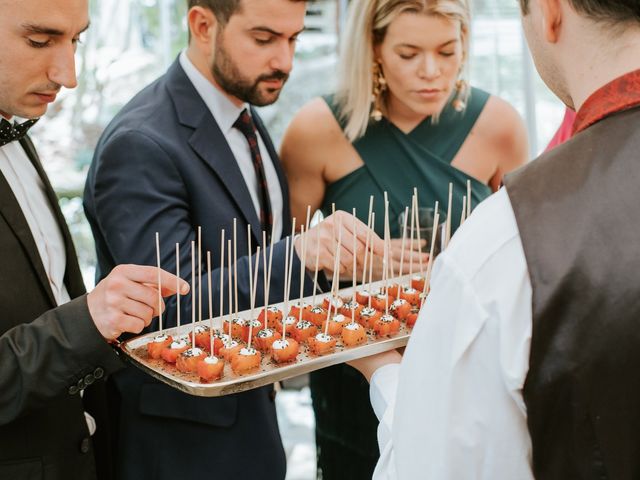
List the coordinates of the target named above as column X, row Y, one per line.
column 578, row 212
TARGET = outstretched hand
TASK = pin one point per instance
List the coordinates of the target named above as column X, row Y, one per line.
column 127, row 299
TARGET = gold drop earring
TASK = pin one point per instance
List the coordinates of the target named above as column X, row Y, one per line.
column 379, row 87
column 460, row 101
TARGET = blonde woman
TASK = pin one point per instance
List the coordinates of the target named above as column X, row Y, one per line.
column 403, row 116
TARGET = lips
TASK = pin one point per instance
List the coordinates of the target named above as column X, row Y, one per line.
column 46, row 97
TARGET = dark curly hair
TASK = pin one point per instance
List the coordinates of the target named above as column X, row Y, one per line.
column 614, row 11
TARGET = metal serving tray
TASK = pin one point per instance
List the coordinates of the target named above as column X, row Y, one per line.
column 135, row 351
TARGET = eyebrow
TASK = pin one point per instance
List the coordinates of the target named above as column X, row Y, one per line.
column 445, row 44
column 273, row 32
column 43, row 30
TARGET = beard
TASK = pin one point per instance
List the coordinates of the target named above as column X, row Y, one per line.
column 228, row 76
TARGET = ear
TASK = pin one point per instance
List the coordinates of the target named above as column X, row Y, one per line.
column 551, row 13
column 202, row 25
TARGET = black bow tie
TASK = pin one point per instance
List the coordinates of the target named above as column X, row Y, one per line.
column 11, row 133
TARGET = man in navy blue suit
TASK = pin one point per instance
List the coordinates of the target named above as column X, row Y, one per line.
column 190, row 150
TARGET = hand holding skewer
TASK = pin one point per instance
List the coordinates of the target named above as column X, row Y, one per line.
column 127, row 299
column 321, row 240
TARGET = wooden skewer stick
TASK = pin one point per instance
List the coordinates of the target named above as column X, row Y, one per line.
column 448, row 225
column 434, row 235
column 160, row 284
column 221, row 277
column 285, row 313
column 287, row 280
column 370, row 227
column 385, row 258
column 373, row 222
column 302, row 269
column 315, row 273
column 267, row 276
column 210, row 301
column 413, row 229
column 222, row 273
column 230, row 288
column 235, row 267
column 193, row 291
column 336, row 279
column 468, row 198
column 178, row 286
column 415, row 195
column 366, row 249
column 199, row 274
column 265, row 271
column 253, row 284
column 404, row 238
column 304, row 228
column 463, row 217
column 355, row 268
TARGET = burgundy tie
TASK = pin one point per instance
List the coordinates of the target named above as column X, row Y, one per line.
column 244, row 123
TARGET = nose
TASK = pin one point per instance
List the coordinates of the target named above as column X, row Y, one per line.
column 283, row 57
column 429, row 67
column 62, row 70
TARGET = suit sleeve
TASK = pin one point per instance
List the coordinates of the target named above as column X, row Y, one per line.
column 59, row 353
column 139, row 191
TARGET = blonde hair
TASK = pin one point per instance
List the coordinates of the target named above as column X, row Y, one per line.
column 366, row 27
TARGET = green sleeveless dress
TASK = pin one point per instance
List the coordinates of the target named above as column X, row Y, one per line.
column 395, row 162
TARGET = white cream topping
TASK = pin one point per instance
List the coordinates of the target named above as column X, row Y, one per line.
column 303, row 325
column 231, row 344
column 201, row 329
column 321, row 337
column 338, row 318
column 178, row 344
column 280, row 344
column 386, row 319
column 211, row 360
column 192, row 352
column 268, row 333
column 290, row 320
column 248, row 352
column 160, row 338
column 353, row 326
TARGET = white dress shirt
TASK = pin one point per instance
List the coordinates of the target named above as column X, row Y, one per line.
column 29, row 191
column 453, row 409
column 225, row 114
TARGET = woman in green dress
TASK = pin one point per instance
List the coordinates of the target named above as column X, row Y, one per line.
column 402, row 116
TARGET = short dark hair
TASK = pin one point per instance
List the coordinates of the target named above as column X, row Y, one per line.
column 614, row 11
column 222, row 9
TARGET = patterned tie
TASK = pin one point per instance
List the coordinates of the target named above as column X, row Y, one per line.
column 244, row 123
column 11, row 133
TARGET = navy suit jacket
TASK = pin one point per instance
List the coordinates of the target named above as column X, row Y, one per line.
column 163, row 165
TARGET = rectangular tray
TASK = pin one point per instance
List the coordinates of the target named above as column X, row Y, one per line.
column 135, row 351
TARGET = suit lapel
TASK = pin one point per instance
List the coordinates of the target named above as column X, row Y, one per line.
column 210, row 144
column 12, row 213
column 72, row 275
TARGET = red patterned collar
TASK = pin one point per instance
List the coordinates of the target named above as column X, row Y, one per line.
column 620, row 94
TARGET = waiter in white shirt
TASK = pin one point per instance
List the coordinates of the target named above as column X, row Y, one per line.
column 524, row 360
column 54, row 338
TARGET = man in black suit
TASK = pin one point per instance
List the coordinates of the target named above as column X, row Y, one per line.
column 53, row 337
column 190, row 150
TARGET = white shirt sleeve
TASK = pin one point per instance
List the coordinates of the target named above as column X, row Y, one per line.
column 453, row 409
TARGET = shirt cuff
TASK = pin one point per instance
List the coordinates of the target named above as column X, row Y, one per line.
column 384, row 384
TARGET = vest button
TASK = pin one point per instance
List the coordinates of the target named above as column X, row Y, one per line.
column 73, row 390
column 98, row 373
column 89, row 379
column 85, row 445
